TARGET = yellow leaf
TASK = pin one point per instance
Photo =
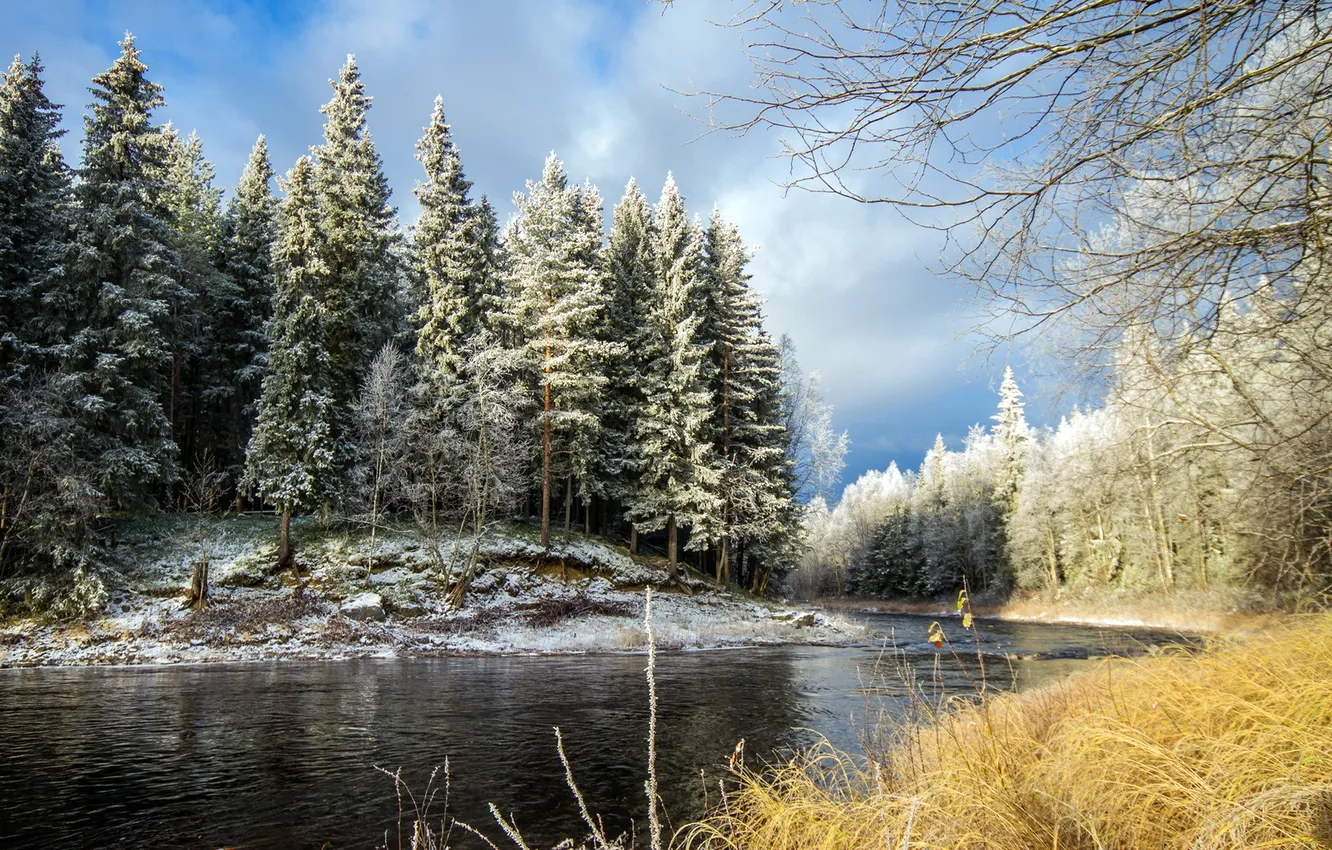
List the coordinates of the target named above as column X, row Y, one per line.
column 961, row 599
column 936, row 635
column 966, row 620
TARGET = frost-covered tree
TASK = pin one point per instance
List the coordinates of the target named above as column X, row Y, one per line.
column 302, row 443
column 241, row 355
column 125, row 270
column 34, row 217
column 631, row 268
column 357, row 234
column 201, row 383
column 451, row 241
column 380, row 411
column 749, row 423
column 679, row 471
column 557, row 301
column 46, row 480
column 817, row 451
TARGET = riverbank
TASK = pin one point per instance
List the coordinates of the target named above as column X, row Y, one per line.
column 1191, row 613
column 397, row 597
column 1228, row 749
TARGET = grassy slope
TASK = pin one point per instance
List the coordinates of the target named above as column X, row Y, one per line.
column 1231, row 749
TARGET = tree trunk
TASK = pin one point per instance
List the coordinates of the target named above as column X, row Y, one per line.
column 672, row 552
column 545, row 441
column 633, row 540
column 1054, row 559
column 545, row 476
column 568, row 505
column 199, row 584
column 723, row 563
column 286, row 557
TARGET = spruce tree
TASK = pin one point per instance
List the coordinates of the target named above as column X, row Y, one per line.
column 1013, row 436
column 630, row 271
column 200, row 385
column 44, row 483
column 451, row 246
column 555, row 305
column 750, row 434
column 250, row 230
column 356, row 229
column 302, row 440
column 679, row 473
column 125, row 271
column 34, row 217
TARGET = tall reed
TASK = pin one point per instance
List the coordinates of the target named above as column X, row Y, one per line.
column 1231, row 748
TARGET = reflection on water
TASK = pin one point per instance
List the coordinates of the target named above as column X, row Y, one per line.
column 283, row 755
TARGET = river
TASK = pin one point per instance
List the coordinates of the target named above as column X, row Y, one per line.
column 283, row 755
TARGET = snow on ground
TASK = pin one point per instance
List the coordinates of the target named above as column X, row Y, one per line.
column 581, row 596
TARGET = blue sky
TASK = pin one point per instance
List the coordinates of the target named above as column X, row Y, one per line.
column 594, row 80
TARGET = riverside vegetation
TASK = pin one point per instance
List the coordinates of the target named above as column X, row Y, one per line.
column 1228, row 749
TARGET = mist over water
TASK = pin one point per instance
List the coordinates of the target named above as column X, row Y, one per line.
column 283, row 755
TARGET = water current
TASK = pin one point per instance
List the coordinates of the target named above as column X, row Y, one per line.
column 284, row 755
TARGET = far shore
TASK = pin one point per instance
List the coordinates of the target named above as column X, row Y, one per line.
column 1183, row 612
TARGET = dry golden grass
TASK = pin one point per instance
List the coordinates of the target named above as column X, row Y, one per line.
column 1228, row 749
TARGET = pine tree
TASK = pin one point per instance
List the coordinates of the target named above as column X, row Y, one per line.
column 250, row 230
column 34, row 216
column 302, row 441
column 1013, row 436
column 679, row 475
column 556, row 303
column 356, row 229
column 118, row 359
column 454, row 253
column 45, row 487
column 451, row 242
column 749, row 423
column 631, row 268
column 200, row 387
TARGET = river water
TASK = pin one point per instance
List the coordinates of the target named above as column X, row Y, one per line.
column 284, row 755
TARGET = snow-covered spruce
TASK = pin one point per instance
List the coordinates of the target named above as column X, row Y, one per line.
column 581, row 595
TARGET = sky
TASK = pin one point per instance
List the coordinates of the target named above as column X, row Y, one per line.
column 597, row 81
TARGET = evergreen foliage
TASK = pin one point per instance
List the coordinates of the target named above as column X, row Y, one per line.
column 45, row 481
column 241, row 358
column 557, row 301
column 201, row 383
column 34, row 217
column 156, row 344
column 125, row 275
column 302, row 442
column 679, row 471
column 750, row 434
column 630, row 268
column 356, row 230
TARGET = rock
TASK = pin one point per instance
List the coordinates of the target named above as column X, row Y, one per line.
column 409, row 608
column 367, row 606
column 803, row 620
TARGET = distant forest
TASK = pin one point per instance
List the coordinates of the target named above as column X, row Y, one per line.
column 1135, row 497
column 162, row 350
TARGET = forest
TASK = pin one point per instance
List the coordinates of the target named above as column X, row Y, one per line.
column 165, row 351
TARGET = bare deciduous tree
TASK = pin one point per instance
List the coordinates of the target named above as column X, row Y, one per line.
column 1114, row 163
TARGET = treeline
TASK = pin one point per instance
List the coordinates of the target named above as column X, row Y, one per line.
column 1139, row 495
column 161, row 349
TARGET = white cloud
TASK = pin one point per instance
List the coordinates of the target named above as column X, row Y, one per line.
column 849, row 282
